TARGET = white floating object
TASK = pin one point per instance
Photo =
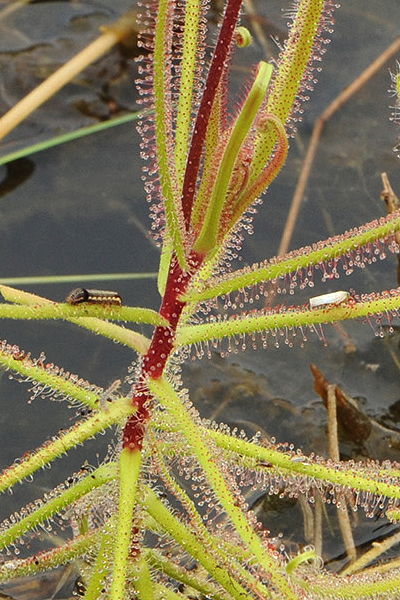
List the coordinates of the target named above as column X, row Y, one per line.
column 332, row 298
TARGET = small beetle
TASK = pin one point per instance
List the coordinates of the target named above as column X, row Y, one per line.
column 326, row 299
column 81, row 296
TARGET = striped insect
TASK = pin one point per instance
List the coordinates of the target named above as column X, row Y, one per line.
column 84, row 296
column 327, row 299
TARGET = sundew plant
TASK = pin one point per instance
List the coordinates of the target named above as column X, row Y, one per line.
column 165, row 515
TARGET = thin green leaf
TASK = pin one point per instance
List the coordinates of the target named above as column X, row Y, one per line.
column 332, row 248
column 70, row 136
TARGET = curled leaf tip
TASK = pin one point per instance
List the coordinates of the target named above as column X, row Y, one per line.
column 243, row 37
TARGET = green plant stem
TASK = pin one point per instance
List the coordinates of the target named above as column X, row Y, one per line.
column 368, row 482
column 294, row 563
column 130, row 463
column 299, row 259
column 97, row 478
column 33, row 300
column 71, row 391
column 143, row 583
column 66, row 440
column 164, row 145
column 177, row 572
column 393, row 514
column 101, row 568
column 115, row 332
column 214, row 140
column 342, row 477
column 165, row 593
column 355, row 590
column 199, row 443
column 210, row 231
column 269, row 173
column 66, row 311
column 221, row 552
column 190, row 543
column 186, row 86
column 258, row 322
column 50, row 559
column 286, row 84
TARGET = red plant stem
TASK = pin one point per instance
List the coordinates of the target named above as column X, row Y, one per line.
column 215, row 73
column 160, row 348
column 171, row 308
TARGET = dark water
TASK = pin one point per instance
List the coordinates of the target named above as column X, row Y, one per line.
column 80, row 208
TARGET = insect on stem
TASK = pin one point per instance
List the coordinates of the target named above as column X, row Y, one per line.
column 332, row 298
column 83, row 296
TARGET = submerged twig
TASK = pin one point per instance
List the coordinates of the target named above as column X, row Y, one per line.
column 333, row 445
column 378, row 548
column 392, row 204
column 112, row 34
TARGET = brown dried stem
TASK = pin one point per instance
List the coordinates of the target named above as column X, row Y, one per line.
column 331, row 395
column 112, row 34
column 392, row 204
column 333, row 448
column 378, row 548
